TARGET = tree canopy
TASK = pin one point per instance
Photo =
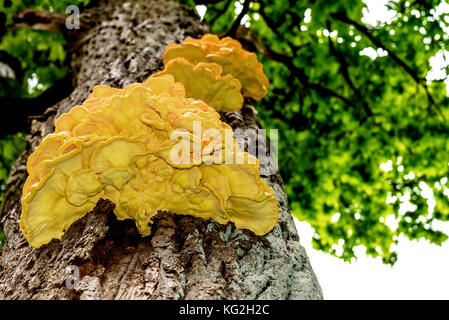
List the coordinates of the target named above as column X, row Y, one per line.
column 361, row 113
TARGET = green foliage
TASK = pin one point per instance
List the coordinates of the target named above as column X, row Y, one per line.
column 42, row 56
column 11, row 147
column 10, row 7
column 2, row 238
column 42, row 53
column 342, row 115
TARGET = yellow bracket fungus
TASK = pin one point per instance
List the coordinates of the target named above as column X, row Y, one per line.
column 229, row 54
column 205, row 81
column 118, row 145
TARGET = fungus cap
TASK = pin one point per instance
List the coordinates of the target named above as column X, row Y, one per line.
column 205, row 81
column 228, row 53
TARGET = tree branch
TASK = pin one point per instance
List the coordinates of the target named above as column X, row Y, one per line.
column 344, row 69
column 235, row 25
column 247, row 35
column 274, row 26
column 364, row 30
column 270, row 22
column 221, row 11
column 40, row 20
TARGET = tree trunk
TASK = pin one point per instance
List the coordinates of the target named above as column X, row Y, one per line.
column 184, row 257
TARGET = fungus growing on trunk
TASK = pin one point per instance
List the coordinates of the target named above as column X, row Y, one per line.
column 229, row 54
column 205, row 81
column 118, row 145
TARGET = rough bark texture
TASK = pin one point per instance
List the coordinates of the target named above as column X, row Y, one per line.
column 184, row 257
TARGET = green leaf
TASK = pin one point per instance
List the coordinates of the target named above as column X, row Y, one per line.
column 2, row 238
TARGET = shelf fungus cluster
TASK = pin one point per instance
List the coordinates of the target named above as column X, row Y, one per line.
column 216, row 71
column 118, row 145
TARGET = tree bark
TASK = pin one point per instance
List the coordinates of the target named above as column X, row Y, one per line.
column 184, row 257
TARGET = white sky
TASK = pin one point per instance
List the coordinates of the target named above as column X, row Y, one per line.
column 422, row 272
